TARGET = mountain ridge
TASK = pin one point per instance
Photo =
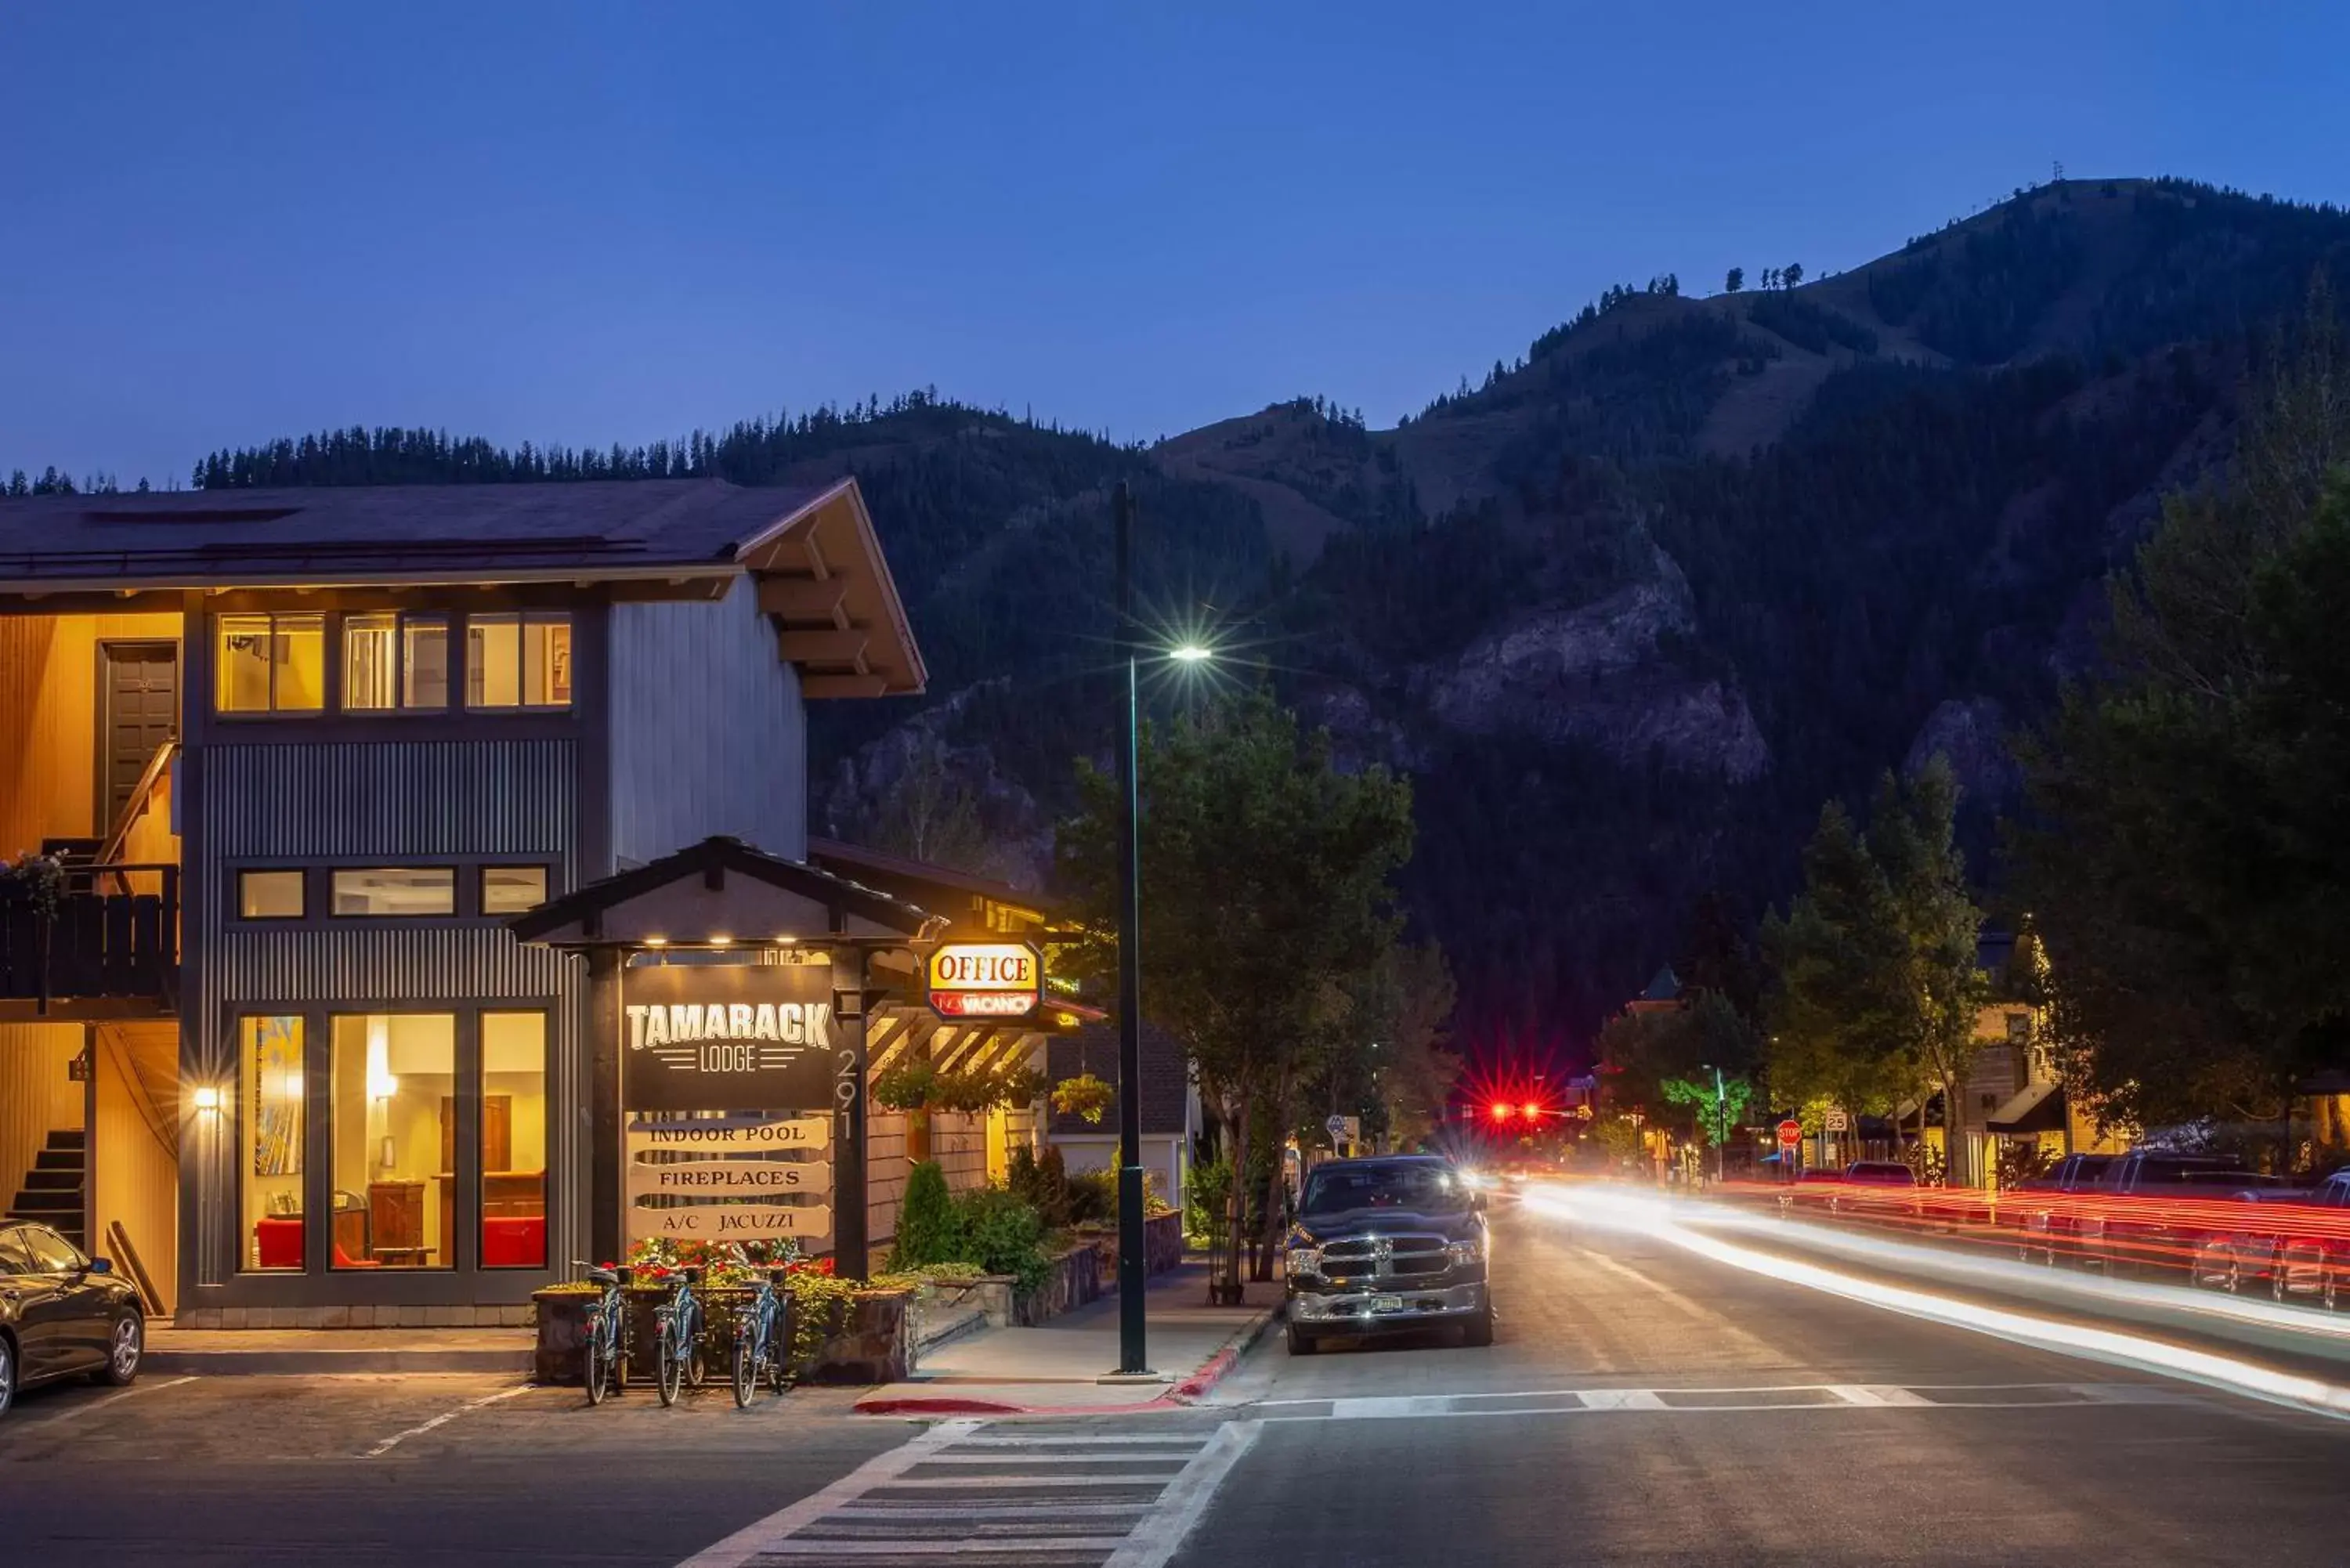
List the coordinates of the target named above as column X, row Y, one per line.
column 1628, row 611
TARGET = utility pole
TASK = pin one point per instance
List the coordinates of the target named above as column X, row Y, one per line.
column 1133, row 1359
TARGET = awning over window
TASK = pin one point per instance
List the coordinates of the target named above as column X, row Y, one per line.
column 2040, row 1108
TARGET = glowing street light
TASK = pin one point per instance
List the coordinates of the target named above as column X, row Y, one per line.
column 1190, row 653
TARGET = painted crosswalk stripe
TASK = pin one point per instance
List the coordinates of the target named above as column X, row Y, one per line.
column 961, row 1494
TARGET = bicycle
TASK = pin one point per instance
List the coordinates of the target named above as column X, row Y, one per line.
column 763, row 1343
column 678, row 1354
column 606, row 1351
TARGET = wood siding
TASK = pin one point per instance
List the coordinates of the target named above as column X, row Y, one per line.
column 134, row 1150
column 707, row 733
column 36, row 1099
column 48, row 723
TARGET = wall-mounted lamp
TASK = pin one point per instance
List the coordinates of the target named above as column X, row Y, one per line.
column 207, row 1097
column 655, row 941
column 722, row 941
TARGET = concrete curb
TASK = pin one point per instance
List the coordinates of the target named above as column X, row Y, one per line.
column 1195, row 1387
column 288, row 1363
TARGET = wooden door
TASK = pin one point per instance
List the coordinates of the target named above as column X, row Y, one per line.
column 139, row 698
column 497, row 1133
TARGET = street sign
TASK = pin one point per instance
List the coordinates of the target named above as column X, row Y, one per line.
column 985, row 979
column 1338, row 1126
column 1791, row 1133
column 1837, row 1121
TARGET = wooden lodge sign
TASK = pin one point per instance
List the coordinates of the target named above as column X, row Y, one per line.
column 727, row 1037
column 730, row 1179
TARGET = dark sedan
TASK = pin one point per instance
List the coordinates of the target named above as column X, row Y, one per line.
column 1388, row 1245
column 62, row 1314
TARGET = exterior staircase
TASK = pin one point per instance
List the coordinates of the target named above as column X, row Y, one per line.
column 53, row 1190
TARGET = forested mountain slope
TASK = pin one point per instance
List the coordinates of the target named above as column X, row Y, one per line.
column 1627, row 610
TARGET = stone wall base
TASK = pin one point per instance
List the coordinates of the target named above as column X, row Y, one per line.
column 519, row 1315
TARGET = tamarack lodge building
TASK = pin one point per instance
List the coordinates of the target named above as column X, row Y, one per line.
column 438, row 906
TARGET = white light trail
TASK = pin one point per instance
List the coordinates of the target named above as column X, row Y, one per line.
column 1655, row 1219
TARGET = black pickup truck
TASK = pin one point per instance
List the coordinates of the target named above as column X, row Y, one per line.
column 1385, row 1246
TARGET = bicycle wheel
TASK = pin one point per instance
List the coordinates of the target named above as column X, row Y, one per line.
column 697, row 1367
column 746, row 1368
column 669, row 1367
column 593, row 1366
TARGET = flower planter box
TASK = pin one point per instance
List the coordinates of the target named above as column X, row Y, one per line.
column 563, row 1330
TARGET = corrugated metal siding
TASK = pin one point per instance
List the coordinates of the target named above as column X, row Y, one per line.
column 708, row 733
column 399, row 797
column 401, row 800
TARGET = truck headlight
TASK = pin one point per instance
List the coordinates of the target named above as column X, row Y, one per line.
column 1459, row 1254
column 1304, row 1261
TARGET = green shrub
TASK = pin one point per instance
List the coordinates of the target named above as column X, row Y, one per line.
column 930, row 1225
column 1001, row 1234
column 1204, row 1205
column 1042, row 1183
column 1092, row 1198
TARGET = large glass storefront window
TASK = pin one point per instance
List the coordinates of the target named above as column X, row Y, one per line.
column 514, row 1140
column 269, row 1118
column 394, row 1090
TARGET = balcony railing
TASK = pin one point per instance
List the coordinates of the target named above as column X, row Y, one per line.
column 107, row 940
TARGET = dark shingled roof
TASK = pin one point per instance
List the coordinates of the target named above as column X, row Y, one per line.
column 1166, row 1078
column 480, row 531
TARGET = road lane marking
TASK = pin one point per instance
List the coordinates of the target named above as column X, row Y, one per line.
column 1160, row 1534
column 1875, row 1394
column 77, row 1411
column 1754, row 1399
column 442, row 1419
column 762, row 1535
column 956, row 1491
column 1621, row 1399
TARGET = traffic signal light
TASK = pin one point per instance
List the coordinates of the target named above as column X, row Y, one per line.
column 1503, row 1110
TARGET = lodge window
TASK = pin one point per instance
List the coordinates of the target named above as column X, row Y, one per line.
column 395, row 660
column 270, row 895
column 518, row 661
column 393, row 1091
column 387, row 891
column 270, row 1125
column 514, row 1140
column 269, row 663
column 511, row 889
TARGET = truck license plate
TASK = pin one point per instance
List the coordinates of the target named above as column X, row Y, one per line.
column 1386, row 1304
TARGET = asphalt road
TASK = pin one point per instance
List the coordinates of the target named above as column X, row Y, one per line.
column 1980, row 1451
column 1641, row 1406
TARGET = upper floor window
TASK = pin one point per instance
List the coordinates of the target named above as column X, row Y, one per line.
column 518, row 661
column 395, row 891
column 395, row 660
column 270, row 663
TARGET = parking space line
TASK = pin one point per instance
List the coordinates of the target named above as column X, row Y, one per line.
column 62, row 1416
column 442, row 1419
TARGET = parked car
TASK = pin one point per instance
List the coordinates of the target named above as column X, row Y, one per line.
column 1812, row 1192
column 2048, row 1225
column 2296, row 1243
column 2156, row 1213
column 1388, row 1245
column 63, row 1314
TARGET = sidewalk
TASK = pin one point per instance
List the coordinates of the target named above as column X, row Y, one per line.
column 330, row 1352
column 1060, row 1368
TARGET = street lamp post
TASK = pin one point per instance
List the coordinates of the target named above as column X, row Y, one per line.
column 1132, row 1357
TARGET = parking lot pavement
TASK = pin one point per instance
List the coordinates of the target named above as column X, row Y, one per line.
column 361, row 1470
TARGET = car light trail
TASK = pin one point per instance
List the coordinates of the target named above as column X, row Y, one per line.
column 1654, row 1218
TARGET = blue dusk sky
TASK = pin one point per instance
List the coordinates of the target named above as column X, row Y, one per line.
column 579, row 223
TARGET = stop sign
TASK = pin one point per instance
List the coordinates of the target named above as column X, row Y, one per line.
column 1791, row 1133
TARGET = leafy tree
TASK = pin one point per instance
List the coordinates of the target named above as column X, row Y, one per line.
column 1718, row 1105
column 1735, row 281
column 1790, row 275
column 2182, row 866
column 1265, row 895
column 1879, row 986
